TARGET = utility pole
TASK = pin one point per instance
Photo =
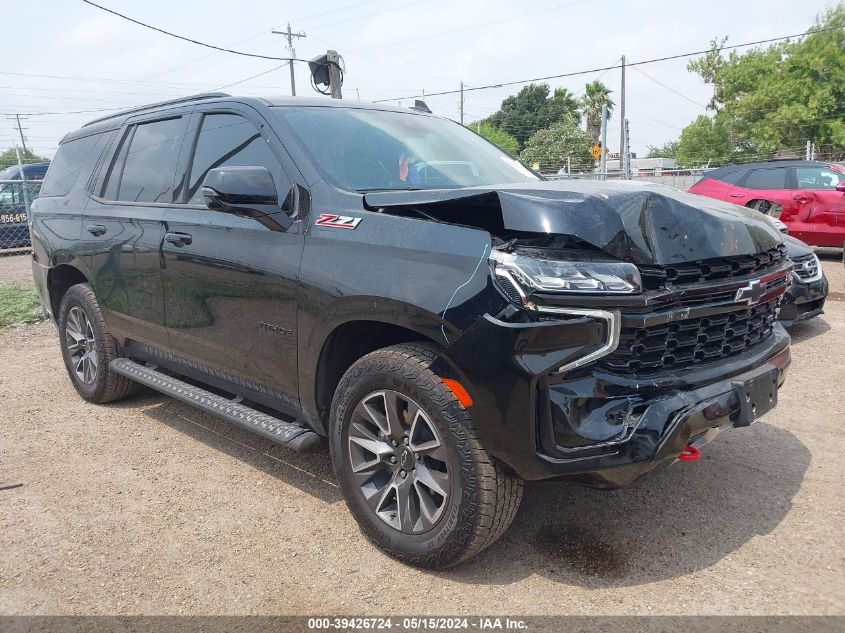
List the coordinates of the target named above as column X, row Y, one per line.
column 462, row 103
column 289, row 35
column 627, row 143
column 24, row 184
column 17, row 118
column 808, row 152
column 603, row 160
column 622, row 115
column 333, row 60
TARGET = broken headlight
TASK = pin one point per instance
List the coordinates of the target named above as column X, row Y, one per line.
column 529, row 273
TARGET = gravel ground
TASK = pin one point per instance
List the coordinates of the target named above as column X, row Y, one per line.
column 16, row 269
column 150, row 507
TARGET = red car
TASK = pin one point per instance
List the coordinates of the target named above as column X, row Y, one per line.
column 807, row 196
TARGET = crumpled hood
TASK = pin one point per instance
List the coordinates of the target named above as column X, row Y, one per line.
column 643, row 223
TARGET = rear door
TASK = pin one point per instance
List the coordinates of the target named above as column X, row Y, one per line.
column 123, row 226
column 231, row 281
column 764, row 184
column 820, row 212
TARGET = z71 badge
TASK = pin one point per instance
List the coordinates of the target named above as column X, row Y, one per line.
column 337, row 221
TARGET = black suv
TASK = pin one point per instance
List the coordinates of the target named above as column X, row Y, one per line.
column 452, row 323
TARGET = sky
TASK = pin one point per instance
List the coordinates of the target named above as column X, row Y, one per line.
column 71, row 62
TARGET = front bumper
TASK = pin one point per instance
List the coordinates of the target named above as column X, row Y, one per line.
column 587, row 425
column 803, row 301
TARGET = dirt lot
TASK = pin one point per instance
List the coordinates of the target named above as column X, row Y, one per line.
column 149, row 507
column 15, row 269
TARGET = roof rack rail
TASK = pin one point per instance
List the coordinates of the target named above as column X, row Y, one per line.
column 204, row 95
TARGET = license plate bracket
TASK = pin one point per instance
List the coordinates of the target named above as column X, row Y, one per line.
column 757, row 392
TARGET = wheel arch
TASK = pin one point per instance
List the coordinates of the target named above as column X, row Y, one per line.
column 774, row 210
column 344, row 342
column 59, row 280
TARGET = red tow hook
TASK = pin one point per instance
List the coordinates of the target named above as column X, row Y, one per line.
column 690, row 454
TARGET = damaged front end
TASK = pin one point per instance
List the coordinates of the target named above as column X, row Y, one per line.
column 641, row 320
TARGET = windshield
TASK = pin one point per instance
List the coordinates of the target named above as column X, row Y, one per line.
column 367, row 150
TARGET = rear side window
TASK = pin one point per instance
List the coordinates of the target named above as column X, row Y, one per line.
column 227, row 140
column 766, row 179
column 73, row 158
column 144, row 167
column 818, row 178
column 732, row 177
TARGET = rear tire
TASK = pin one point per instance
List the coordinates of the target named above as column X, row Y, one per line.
column 457, row 500
column 88, row 348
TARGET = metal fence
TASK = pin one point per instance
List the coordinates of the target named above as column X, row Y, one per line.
column 15, row 198
column 681, row 179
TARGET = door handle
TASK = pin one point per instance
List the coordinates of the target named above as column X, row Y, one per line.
column 737, row 195
column 178, row 239
column 96, row 229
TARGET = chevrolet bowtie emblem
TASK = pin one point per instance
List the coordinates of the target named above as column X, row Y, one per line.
column 749, row 294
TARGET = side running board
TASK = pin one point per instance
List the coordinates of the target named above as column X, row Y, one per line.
column 291, row 435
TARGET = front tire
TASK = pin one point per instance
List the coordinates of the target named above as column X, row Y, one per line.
column 411, row 465
column 88, row 348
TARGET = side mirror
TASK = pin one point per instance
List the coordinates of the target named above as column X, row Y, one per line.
column 841, row 187
column 245, row 191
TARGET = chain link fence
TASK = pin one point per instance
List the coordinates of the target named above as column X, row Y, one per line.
column 681, row 179
column 15, row 198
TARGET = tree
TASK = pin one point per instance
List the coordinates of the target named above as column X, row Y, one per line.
column 9, row 158
column 705, row 141
column 497, row 136
column 561, row 144
column 532, row 109
column 595, row 96
column 781, row 96
column 668, row 150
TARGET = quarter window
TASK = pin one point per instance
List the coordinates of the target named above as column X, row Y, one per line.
column 227, row 140
column 818, row 178
column 145, row 165
column 766, row 179
column 72, row 157
column 733, row 177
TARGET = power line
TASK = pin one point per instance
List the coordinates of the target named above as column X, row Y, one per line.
column 235, row 83
column 338, row 10
column 471, row 27
column 369, row 15
column 628, row 64
column 65, row 112
column 192, row 41
column 669, row 88
column 204, row 57
column 289, row 35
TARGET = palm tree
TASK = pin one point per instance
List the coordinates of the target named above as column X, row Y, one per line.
column 596, row 94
